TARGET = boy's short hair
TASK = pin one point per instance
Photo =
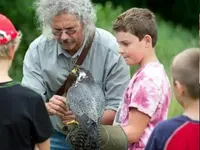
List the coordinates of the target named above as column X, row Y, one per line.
column 139, row 22
column 185, row 69
column 8, row 36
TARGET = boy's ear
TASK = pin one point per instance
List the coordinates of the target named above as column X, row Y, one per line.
column 11, row 53
column 179, row 87
column 148, row 41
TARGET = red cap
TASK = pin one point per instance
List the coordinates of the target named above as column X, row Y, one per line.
column 7, row 30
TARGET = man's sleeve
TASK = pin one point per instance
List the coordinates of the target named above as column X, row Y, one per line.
column 32, row 73
column 117, row 79
column 42, row 127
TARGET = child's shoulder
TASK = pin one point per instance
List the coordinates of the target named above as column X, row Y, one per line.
column 25, row 93
column 30, row 92
column 153, row 69
column 153, row 72
column 175, row 131
column 22, row 97
column 171, row 124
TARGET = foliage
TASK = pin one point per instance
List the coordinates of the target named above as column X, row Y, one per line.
column 184, row 12
column 106, row 15
column 22, row 14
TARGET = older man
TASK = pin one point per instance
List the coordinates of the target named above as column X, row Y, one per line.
column 68, row 25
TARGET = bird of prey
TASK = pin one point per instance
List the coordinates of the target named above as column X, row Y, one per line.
column 86, row 100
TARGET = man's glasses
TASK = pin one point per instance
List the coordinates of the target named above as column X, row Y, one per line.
column 58, row 32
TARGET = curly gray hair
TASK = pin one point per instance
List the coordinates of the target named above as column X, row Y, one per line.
column 82, row 9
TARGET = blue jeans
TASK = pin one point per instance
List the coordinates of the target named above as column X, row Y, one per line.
column 58, row 141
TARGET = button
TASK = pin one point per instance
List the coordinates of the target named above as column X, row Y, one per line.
column 73, row 61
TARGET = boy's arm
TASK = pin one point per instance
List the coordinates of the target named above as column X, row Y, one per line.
column 112, row 136
column 43, row 146
column 137, row 123
column 144, row 101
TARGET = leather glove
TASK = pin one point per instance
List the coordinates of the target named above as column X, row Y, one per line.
column 113, row 138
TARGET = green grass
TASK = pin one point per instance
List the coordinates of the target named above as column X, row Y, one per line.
column 171, row 41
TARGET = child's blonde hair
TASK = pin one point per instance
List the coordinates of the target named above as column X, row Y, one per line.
column 185, row 69
column 139, row 22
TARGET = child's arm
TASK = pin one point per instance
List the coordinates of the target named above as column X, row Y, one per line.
column 114, row 137
column 137, row 123
column 44, row 145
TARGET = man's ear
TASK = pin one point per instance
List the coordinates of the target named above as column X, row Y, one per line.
column 11, row 53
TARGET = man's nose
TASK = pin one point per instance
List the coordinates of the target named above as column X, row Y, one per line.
column 64, row 35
